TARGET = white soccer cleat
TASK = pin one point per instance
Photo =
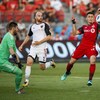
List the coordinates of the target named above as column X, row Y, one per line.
column 89, row 83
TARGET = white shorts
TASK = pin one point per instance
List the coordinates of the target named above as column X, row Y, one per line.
column 40, row 53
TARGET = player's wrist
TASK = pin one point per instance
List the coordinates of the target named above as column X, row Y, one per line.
column 22, row 45
column 73, row 21
column 14, row 56
column 40, row 42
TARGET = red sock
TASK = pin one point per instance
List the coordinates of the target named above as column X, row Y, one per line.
column 68, row 68
column 92, row 70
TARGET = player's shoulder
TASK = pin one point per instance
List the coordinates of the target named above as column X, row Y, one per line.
column 8, row 36
column 46, row 23
column 30, row 26
column 95, row 23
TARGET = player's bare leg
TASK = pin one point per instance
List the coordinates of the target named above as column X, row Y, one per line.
column 47, row 65
column 68, row 68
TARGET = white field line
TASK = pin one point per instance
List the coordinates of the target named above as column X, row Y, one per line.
column 83, row 77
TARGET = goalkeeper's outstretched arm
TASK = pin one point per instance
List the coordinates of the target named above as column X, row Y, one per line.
column 15, row 58
column 14, row 55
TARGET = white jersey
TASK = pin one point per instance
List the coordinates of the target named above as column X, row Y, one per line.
column 39, row 32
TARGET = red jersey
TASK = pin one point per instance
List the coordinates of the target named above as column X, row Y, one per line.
column 90, row 33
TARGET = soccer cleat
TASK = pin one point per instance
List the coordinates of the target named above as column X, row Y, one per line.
column 53, row 64
column 89, row 83
column 26, row 83
column 63, row 77
column 21, row 91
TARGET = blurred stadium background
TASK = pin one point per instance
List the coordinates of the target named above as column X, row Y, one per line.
column 46, row 85
column 56, row 12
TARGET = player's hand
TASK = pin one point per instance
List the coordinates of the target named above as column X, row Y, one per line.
column 20, row 48
column 36, row 43
column 73, row 20
column 20, row 65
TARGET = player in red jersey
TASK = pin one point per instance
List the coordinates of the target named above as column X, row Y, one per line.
column 86, row 46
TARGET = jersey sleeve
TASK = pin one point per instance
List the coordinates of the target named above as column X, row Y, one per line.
column 47, row 29
column 81, row 30
column 30, row 31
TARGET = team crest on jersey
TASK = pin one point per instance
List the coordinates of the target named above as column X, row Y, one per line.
column 92, row 30
column 41, row 26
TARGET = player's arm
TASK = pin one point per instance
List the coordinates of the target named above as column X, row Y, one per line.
column 26, row 39
column 14, row 55
column 12, row 50
column 48, row 34
column 47, row 38
column 15, row 58
column 24, row 42
column 74, row 29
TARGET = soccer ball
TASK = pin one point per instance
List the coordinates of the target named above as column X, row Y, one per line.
column 98, row 19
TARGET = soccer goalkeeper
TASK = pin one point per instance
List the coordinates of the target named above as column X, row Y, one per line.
column 7, row 48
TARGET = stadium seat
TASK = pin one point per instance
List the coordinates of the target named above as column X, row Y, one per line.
column 12, row 5
column 60, row 15
column 2, row 16
column 82, row 9
column 18, row 15
column 27, row 16
column 95, row 2
column 9, row 15
column 38, row 2
column 30, row 7
column 2, row 8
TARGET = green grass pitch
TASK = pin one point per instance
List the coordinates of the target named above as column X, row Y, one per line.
column 46, row 85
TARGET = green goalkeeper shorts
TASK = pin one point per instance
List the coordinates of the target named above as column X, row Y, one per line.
column 7, row 67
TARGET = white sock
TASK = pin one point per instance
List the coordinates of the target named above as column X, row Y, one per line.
column 27, row 73
column 48, row 64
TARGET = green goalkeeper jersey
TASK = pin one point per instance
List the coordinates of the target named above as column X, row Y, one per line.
column 7, row 43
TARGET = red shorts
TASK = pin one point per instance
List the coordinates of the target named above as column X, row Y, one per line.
column 81, row 51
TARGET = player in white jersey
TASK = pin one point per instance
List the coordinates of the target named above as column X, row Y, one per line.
column 41, row 34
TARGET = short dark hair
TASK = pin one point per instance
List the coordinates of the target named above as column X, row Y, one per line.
column 90, row 13
column 10, row 25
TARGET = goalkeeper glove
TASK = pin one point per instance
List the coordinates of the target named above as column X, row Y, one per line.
column 16, row 62
column 20, row 65
column 14, row 58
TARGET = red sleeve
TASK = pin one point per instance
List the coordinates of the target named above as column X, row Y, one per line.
column 81, row 30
